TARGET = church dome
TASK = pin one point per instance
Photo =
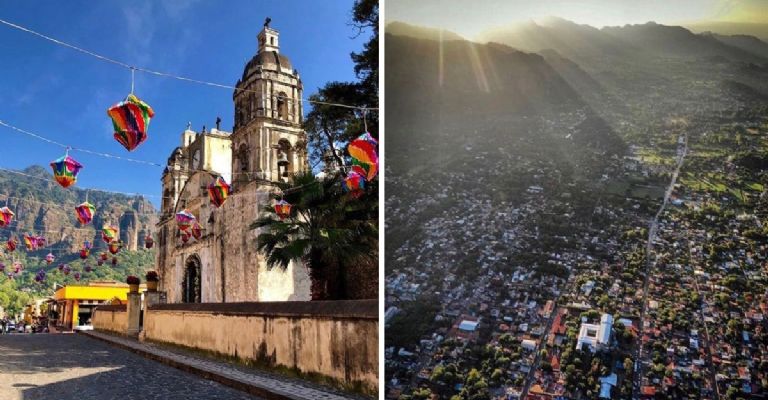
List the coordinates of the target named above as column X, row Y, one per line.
column 268, row 60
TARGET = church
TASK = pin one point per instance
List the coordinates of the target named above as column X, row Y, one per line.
column 267, row 145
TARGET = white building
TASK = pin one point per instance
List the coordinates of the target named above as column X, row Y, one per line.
column 595, row 337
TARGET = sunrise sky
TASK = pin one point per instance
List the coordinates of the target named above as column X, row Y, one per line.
column 470, row 18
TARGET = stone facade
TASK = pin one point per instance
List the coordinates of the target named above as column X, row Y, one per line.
column 266, row 146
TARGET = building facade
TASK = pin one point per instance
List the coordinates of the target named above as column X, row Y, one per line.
column 266, row 146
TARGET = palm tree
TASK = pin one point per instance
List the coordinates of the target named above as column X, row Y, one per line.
column 328, row 231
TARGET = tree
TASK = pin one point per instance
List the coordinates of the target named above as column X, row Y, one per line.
column 328, row 126
column 327, row 231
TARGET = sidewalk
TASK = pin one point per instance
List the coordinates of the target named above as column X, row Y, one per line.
column 251, row 381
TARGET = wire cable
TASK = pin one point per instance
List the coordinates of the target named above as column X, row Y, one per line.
column 165, row 74
column 74, row 148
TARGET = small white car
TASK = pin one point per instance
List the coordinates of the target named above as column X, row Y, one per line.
column 84, row 328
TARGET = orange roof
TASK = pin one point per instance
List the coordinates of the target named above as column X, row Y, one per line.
column 648, row 391
column 555, row 363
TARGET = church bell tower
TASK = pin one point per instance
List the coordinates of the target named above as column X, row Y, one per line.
column 268, row 142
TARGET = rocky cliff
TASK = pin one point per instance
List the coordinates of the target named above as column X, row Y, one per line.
column 44, row 208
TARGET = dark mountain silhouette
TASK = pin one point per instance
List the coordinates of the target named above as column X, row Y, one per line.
column 418, row 32
column 676, row 41
column 586, row 44
column 448, row 94
column 745, row 42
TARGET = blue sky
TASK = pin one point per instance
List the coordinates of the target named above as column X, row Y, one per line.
column 62, row 94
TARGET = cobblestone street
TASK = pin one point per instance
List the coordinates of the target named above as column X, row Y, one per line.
column 72, row 366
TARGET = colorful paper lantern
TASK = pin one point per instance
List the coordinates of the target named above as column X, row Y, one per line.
column 364, row 154
column 88, row 268
column 11, row 244
column 283, row 209
column 185, row 237
column 6, row 216
column 108, row 233
column 17, row 267
column 218, row 191
column 148, row 241
column 114, row 247
column 114, row 260
column 84, row 253
column 130, row 119
column 2, row 267
column 49, row 258
column 30, row 242
column 76, row 275
column 354, row 183
column 61, row 267
column 66, row 270
column 65, row 170
column 104, row 256
column 85, row 212
column 197, row 231
column 185, row 219
column 99, row 262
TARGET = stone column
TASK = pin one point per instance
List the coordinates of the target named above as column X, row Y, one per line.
column 134, row 310
column 152, row 298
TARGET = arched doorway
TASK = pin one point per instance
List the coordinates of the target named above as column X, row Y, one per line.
column 191, row 286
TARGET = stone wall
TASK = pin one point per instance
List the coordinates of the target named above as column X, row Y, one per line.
column 112, row 318
column 333, row 339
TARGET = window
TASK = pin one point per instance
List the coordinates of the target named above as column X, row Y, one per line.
column 272, row 41
column 282, row 106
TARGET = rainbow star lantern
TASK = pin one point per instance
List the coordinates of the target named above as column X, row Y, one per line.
column 130, row 119
column 6, row 216
column 354, row 183
column 108, row 233
column 50, row 258
column 364, row 154
column 283, row 209
column 218, row 191
column 65, row 170
column 85, row 212
column 185, row 219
